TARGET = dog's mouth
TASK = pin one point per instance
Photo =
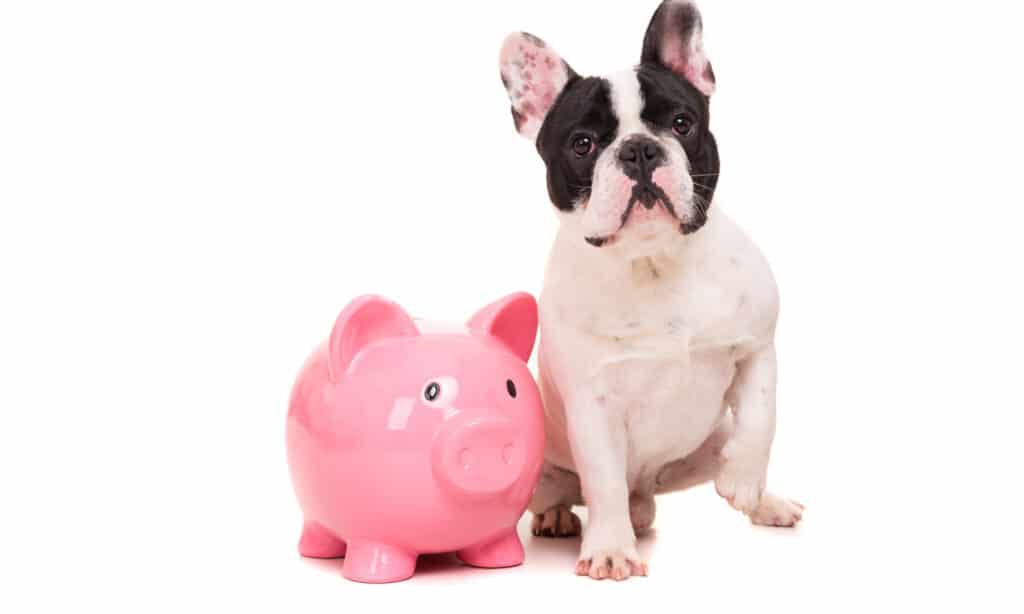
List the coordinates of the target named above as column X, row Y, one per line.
column 649, row 195
column 646, row 194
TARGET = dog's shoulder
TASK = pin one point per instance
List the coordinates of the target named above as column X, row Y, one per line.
column 729, row 286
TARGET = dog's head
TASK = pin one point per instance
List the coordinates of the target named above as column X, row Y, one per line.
column 630, row 157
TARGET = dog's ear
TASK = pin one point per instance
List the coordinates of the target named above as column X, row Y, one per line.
column 675, row 40
column 534, row 75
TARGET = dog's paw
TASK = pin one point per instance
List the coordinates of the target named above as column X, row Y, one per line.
column 777, row 512
column 602, row 558
column 559, row 521
column 614, row 564
column 742, row 477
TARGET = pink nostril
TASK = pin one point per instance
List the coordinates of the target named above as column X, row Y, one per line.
column 466, row 459
column 507, row 452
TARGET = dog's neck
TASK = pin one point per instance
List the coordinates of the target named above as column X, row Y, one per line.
column 576, row 261
column 578, row 268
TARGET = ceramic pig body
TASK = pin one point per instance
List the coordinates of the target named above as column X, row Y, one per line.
column 406, row 439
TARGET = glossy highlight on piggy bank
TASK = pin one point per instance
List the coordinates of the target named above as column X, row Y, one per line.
column 407, row 438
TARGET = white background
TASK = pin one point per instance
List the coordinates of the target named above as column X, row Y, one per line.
column 191, row 191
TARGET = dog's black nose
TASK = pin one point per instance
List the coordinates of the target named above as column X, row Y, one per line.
column 639, row 156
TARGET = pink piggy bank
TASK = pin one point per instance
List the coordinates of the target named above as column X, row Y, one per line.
column 406, row 438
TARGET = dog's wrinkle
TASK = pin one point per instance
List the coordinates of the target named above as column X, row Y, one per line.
column 666, row 201
column 654, row 269
column 629, row 211
column 697, row 222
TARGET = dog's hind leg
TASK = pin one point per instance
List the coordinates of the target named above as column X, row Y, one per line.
column 704, row 466
column 701, row 466
column 557, row 491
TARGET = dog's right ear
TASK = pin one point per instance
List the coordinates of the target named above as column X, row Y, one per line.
column 534, row 75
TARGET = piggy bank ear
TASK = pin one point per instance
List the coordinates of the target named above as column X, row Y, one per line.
column 512, row 320
column 366, row 320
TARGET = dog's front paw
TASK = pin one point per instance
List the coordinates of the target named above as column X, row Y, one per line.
column 742, row 476
column 602, row 558
column 777, row 512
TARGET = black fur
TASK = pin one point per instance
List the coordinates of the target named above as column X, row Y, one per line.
column 584, row 108
column 666, row 96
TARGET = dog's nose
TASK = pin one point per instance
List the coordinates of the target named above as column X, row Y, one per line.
column 639, row 156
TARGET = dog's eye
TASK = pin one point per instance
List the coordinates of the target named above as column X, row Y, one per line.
column 432, row 392
column 682, row 125
column 583, row 146
column 511, row 387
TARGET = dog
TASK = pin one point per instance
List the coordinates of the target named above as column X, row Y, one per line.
column 656, row 363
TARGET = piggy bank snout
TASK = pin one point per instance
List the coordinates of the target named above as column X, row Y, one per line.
column 481, row 457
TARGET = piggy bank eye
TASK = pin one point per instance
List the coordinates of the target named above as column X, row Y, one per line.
column 511, row 387
column 440, row 392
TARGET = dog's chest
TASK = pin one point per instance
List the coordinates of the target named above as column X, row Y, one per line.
column 656, row 343
column 645, row 353
column 660, row 345
column 666, row 357
column 690, row 314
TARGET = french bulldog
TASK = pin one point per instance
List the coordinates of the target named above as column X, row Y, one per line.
column 657, row 363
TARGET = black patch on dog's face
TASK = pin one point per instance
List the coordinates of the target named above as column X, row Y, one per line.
column 666, row 97
column 584, row 109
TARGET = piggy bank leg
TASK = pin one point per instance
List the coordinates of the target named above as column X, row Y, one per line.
column 377, row 563
column 505, row 551
column 317, row 543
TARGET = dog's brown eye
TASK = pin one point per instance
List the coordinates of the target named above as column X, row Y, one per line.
column 682, row 125
column 511, row 387
column 583, row 146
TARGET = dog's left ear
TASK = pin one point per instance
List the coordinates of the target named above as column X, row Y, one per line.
column 675, row 40
column 534, row 75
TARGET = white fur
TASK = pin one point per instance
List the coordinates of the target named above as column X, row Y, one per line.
column 627, row 102
column 654, row 350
